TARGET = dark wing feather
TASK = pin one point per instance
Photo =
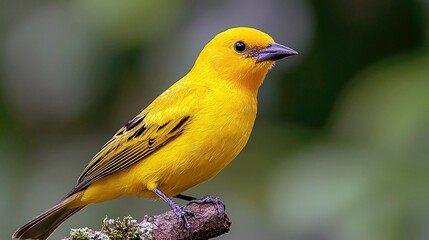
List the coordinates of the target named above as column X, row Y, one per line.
column 131, row 144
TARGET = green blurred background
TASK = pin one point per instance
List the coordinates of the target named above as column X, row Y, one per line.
column 341, row 144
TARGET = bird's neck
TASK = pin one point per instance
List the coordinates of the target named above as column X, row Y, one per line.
column 251, row 80
column 246, row 80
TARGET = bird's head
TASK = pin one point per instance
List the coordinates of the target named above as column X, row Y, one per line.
column 242, row 55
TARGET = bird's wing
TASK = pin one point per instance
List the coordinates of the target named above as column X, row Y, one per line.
column 139, row 138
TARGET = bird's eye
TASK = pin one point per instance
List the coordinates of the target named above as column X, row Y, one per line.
column 239, row 46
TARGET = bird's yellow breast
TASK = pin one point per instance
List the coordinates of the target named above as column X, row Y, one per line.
column 221, row 119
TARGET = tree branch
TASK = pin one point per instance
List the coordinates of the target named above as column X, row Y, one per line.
column 205, row 224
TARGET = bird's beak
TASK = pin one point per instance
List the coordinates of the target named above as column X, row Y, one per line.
column 273, row 52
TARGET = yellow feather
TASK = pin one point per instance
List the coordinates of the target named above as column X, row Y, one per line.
column 184, row 137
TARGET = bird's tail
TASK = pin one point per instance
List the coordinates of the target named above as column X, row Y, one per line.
column 43, row 225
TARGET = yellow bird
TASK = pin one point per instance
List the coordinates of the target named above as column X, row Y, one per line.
column 184, row 137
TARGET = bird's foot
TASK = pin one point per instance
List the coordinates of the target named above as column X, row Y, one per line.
column 181, row 213
column 211, row 199
column 178, row 210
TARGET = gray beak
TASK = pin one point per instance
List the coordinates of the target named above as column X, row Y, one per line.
column 274, row 52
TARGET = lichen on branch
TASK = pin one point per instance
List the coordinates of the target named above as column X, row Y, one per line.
column 206, row 223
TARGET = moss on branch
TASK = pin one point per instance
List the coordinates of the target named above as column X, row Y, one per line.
column 206, row 223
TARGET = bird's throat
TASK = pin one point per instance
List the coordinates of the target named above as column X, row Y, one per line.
column 252, row 81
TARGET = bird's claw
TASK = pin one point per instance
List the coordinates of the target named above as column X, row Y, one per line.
column 211, row 199
column 181, row 213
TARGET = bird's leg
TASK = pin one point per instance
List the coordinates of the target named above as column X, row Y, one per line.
column 209, row 199
column 185, row 197
column 180, row 211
